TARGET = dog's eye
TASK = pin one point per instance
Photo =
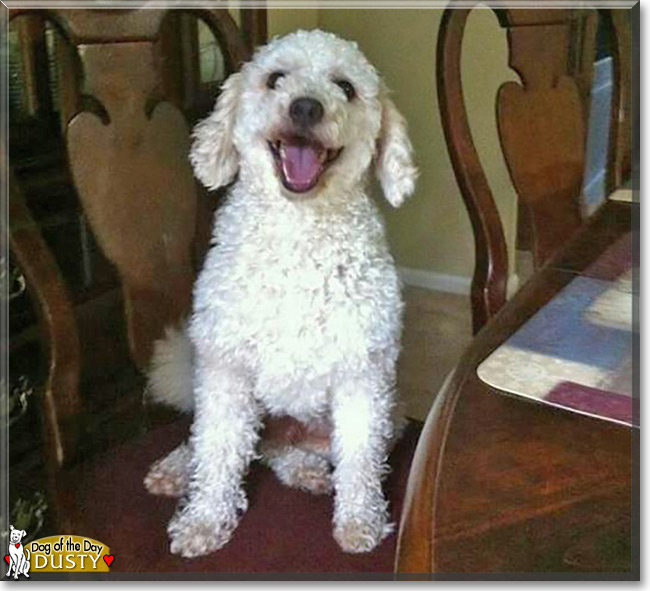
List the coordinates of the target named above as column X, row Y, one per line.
column 272, row 80
column 347, row 88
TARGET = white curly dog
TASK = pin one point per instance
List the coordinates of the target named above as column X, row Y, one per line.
column 297, row 310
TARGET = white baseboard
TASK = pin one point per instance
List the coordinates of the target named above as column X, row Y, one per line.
column 457, row 284
column 435, row 281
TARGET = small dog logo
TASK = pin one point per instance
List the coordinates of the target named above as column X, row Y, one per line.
column 18, row 557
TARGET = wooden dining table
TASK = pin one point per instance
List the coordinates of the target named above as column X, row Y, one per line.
column 500, row 484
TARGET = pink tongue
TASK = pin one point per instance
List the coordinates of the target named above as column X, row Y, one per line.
column 300, row 165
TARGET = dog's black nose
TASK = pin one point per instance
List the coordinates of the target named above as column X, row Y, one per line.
column 305, row 111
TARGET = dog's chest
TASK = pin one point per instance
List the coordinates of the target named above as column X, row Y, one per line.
column 314, row 302
column 299, row 305
column 310, row 318
column 297, row 298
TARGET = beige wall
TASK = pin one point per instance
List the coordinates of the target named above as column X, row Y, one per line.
column 432, row 231
column 283, row 21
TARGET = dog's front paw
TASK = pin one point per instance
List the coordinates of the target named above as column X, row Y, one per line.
column 359, row 534
column 194, row 533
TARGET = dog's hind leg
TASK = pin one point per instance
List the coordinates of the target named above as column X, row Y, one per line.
column 169, row 475
column 299, row 468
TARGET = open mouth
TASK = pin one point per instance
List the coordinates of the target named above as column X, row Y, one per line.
column 301, row 162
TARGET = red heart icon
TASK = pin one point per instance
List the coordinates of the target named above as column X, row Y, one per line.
column 108, row 559
column 17, row 545
column 7, row 559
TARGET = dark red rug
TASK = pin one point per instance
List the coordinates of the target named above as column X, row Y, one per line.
column 283, row 531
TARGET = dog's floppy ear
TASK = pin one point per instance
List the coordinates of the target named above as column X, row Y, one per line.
column 213, row 155
column 24, row 533
column 394, row 160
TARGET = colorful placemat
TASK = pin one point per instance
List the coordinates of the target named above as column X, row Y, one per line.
column 575, row 353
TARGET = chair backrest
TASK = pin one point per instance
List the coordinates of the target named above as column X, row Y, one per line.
column 127, row 148
column 542, row 125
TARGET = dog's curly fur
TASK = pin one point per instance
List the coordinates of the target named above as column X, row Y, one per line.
column 297, row 310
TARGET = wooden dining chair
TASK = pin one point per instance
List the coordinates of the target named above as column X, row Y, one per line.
column 542, row 124
column 542, row 131
column 127, row 140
